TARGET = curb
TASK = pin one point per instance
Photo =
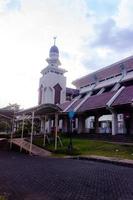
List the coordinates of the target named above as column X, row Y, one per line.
column 124, row 162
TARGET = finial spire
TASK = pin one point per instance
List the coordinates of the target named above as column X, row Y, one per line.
column 54, row 40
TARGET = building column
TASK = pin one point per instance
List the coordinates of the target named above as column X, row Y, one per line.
column 22, row 133
column 96, row 124
column 114, row 123
column 56, row 130
column 65, row 125
column 42, row 125
column 32, row 132
column 81, row 124
column 131, row 124
column 108, row 128
column 124, row 130
column 49, row 125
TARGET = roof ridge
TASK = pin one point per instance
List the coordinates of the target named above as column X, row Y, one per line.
column 106, row 67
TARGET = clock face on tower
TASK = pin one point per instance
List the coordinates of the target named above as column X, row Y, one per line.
column 57, row 95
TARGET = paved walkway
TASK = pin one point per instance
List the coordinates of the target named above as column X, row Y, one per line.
column 113, row 160
column 35, row 149
column 25, row 177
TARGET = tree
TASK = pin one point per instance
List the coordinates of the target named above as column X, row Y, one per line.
column 14, row 107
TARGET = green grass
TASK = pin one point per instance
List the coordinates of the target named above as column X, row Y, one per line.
column 3, row 197
column 90, row 147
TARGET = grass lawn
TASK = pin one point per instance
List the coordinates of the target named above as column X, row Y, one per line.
column 2, row 197
column 89, row 147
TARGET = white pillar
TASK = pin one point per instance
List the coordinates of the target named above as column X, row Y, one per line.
column 12, row 131
column 131, row 124
column 124, row 130
column 65, row 124
column 44, row 130
column 22, row 133
column 114, row 123
column 49, row 125
column 56, row 129
column 42, row 125
column 81, row 124
column 96, row 124
column 108, row 130
column 32, row 130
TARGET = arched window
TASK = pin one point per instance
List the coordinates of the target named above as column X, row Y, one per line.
column 57, row 95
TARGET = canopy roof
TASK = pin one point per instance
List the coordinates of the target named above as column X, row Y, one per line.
column 6, row 113
column 41, row 109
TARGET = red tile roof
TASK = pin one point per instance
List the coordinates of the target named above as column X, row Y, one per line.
column 100, row 101
column 72, row 91
column 64, row 105
column 6, row 112
column 74, row 105
column 125, row 97
column 96, row 101
column 106, row 72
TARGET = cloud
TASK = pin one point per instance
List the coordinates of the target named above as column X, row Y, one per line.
column 26, row 31
column 124, row 15
column 113, row 37
column 3, row 4
column 26, row 37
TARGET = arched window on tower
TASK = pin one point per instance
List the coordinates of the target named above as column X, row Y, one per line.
column 57, row 95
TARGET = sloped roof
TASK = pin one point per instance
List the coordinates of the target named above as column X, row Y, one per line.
column 41, row 109
column 125, row 97
column 64, row 105
column 74, row 105
column 72, row 91
column 6, row 113
column 96, row 101
column 106, row 72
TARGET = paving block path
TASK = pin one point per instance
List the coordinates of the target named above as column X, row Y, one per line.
column 24, row 177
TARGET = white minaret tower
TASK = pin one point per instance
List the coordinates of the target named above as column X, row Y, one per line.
column 52, row 86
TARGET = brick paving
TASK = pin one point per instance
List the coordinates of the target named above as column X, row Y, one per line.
column 24, row 177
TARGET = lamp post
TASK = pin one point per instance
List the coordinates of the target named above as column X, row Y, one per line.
column 71, row 115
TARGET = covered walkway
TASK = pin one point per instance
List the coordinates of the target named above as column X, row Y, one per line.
column 44, row 113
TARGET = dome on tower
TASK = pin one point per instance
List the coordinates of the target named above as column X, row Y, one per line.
column 54, row 49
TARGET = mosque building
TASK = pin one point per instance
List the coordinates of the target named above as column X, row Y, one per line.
column 102, row 101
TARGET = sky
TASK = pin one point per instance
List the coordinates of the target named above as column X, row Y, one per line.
column 91, row 34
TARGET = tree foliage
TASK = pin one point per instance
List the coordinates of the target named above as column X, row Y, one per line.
column 14, row 107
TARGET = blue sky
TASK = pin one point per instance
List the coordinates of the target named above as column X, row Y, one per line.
column 90, row 34
column 103, row 7
column 13, row 5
